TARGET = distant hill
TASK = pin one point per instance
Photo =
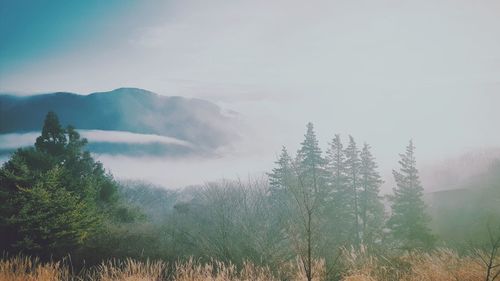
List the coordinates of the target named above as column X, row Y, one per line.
column 463, row 213
column 195, row 121
column 454, row 172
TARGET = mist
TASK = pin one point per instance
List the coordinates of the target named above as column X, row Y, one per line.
column 381, row 71
column 250, row 140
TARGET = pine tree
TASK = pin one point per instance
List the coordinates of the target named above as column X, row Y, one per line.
column 281, row 180
column 310, row 162
column 352, row 165
column 336, row 165
column 309, row 194
column 51, row 220
column 279, row 176
column 408, row 221
column 53, row 139
column 371, row 206
column 339, row 202
column 50, row 193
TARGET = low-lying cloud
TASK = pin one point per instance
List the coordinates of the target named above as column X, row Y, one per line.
column 15, row 140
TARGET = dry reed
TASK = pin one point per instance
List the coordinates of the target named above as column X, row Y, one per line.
column 358, row 265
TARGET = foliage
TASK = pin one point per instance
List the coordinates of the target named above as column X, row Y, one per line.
column 50, row 218
column 408, row 221
column 54, row 195
column 370, row 201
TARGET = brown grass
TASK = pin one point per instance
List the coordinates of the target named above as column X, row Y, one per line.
column 26, row 269
column 441, row 264
column 218, row 271
column 128, row 270
column 438, row 265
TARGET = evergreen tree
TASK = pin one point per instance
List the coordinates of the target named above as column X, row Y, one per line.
column 309, row 194
column 371, row 206
column 281, row 180
column 352, row 165
column 339, row 203
column 280, row 176
column 335, row 156
column 51, row 221
column 310, row 162
column 408, row 221
column 50, row 193
column 53, row 139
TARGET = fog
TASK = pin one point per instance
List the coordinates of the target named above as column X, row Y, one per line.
column 15, row 140
column 382, row 71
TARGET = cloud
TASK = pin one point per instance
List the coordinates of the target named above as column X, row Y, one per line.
column 128, row 137
column 15, row 140
column 384, row 71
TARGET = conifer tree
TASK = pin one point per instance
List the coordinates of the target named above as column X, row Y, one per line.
column 51, row 220
column 281, row 180
column 353, row 182
column 308, row 190
column 371, row 206
column 408, row 221
column 339, row 204
column 279, row 176
column 310, row 162
column 51, row 194
column 335, row 156
column 53, row 139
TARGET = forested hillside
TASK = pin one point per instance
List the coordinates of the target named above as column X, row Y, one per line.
column 317, row 215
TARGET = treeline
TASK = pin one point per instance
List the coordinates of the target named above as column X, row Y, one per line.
column 55, row 200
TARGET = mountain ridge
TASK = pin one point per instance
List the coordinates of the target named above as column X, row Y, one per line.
column 124, row 109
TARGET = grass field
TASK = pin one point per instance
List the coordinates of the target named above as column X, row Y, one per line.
column 439, row 265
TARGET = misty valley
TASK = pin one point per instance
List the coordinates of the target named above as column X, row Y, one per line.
column 261, row 140
column 316, row 215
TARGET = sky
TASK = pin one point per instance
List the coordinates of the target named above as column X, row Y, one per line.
column 384, row 71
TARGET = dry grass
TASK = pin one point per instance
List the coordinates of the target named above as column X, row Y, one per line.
column 441, row 264
column 26, row 269
column 128, row 270
column 218, row 271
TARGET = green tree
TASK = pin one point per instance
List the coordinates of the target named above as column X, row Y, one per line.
column 309, row 193
column 51, row 220
column 352, row 165
column 339, row 204
column 280, row 176
column 53, row 139
column 409, row 221
column 50, row 193
column 371, row 206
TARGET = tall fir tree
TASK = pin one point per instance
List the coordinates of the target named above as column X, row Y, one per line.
column 281, row 180
column 310, row 194
column 310, row 167
column 339, row 202
column 335, row 157
column 352, row 165
column 371, row 206
column 408, row 221
column 281, row 174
